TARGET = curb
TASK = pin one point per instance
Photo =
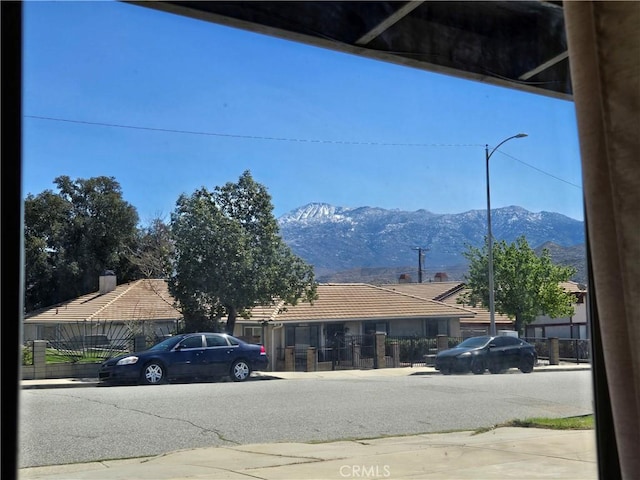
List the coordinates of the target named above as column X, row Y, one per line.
column 91, row 382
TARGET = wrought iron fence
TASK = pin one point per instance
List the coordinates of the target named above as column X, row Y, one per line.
column 569, row 349
column 572, row 348
column 299, row 357
column 413, row 351
column 95, row 340
column 349, row 352
column 344, row 353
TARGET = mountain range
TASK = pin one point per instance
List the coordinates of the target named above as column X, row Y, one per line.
column 377, row 245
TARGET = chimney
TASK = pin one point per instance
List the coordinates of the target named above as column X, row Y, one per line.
column 441, row 277
column 404, row 278
column 107, row 282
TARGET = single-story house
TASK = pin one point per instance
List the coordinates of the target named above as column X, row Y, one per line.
column 117, row 312
column 145, row 307
column 343, row 309
column 542, row 327
column 449, row 293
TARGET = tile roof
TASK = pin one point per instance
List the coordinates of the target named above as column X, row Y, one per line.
column 150, row 300
column 573, row 287
column 360, row 301
column 146, row 299
column 448, row 293
column 430, row 290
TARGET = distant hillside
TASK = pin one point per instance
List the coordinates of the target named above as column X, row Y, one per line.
column 354, row 244
column 381, row 275
column 575, row 256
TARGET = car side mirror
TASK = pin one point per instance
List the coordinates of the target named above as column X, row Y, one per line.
column 492, row 345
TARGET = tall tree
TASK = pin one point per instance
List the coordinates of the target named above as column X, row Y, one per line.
column 525, row 285
column 153, row 254
column 229, row 256
column 72, row 236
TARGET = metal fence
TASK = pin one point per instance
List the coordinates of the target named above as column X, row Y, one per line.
column 93, row 341
column 350, row 352
column 413, row 351
column 87, row 341
column 569, row 349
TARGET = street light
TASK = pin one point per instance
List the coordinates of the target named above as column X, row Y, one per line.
column 492, row 308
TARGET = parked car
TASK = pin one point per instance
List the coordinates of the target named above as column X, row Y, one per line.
column 477, row 354
column 187, row 356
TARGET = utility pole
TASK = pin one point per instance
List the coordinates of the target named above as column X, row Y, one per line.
column 420, row 257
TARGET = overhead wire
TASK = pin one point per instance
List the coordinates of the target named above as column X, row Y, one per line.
column 251, row 137
column 286, row 139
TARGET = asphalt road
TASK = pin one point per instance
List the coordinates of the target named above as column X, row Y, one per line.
column 70, row 425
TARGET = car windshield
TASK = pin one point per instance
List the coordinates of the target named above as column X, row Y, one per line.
column 166, row 344
column 474, row 342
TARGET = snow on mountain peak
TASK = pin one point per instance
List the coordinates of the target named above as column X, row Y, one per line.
column 315, row 212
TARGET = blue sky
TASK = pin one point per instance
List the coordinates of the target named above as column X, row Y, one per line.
column 312, row 125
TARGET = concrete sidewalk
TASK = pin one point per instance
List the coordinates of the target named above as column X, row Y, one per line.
column 522, row 453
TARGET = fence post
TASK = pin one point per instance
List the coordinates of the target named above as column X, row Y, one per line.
column 554, row 351
column 39, row 359
column 442, row 342
column 289, row 359
column 380, row 353
column 312, row 359
column 395, row 352
column 355, row 355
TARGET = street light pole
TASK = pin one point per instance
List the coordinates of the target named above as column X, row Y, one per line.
column 492, row 307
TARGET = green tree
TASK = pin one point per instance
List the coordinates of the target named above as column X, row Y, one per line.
column 72, row 236
column 229, row 256
column 525, row 285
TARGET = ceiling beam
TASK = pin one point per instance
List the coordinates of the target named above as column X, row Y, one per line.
column 544, row 66
column 388, row 22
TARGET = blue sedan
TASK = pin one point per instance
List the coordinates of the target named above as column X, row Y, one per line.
column 187, row 356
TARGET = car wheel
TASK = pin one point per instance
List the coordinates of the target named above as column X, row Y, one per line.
column 526, row 364
column 154, row 373
column 240, row 371
column 477, row 366
column 445, row 371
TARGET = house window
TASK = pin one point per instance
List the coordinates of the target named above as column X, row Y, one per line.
column 372, row 327
column 431, row 328
column 252, row 332
column 302, row 335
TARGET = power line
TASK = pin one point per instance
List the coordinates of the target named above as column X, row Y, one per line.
column 249, row 137
column 295, row 140
column 541, row 171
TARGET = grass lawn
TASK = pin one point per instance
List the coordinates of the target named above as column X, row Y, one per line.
column 55, row 356
column 582, row 422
